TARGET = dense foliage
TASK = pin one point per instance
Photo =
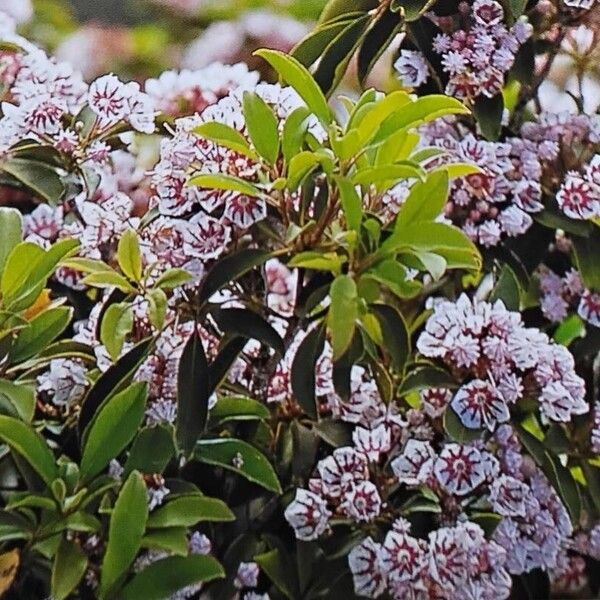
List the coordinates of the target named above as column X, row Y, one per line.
column 272, row 340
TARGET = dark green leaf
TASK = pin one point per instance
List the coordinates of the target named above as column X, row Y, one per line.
column 303, row 376
column 39, row 177
column 423, row 378
column 193, row 391
column 228, row 269
column 116, row 378
column 240, row 457
column 113, row 428
column 395, row 333
column 488, row 112
column 238, row 408
column 246, row 323
column 125, row 533
column 163, row 578
column 186, row 511
column 507, row 289
column 343, row 312
column 11, row 227
column 29, row 444
column 20, row 399
column 151, row 451
column 456, row 431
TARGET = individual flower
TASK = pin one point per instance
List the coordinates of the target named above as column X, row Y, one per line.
column 412, row 68
column 362, row 502
column 308, row 515
column 480, row 404
column 367, row 576
column 459, row 469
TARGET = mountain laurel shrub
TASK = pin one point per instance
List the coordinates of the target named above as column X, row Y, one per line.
column 316, row 349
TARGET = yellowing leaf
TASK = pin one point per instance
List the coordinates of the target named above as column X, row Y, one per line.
column 9, row 565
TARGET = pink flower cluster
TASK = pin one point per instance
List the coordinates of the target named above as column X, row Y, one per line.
column 456, row 562
column 499, row 361
column 579, row 195
column 478, row 56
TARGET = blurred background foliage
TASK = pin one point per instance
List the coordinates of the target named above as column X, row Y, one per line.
column 142, row 38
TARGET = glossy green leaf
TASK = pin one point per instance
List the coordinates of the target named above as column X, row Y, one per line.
column 226, row 183
column 294, row 132
column 20, row 399
column 28, row 443
column 163, row 578
column 11, row 226
column 351, row 203
column 240, row 457
column 115, row 379
column 70, row 564
column 396, row 337
column 152, row 450
column 246, row 323
column 507, row 289
column 173, row 540
column 226, row 136
column 425, row 201
column 173, row 278
column 393, row 275
column 426, row 377
column 108, row 279
column 228, row 269
column 238, row 408
column 116, row 325
column 40, row 178
column 343, row 312
column 296, row 75
column 262, row 126
column 488, row 112
column 157, row 307
column 113, row 428
column 129, row 255
column 303, row 377
column 188, row 510
column 569, row 330
column 388, row 174
column 125, row 533
column 193, row 391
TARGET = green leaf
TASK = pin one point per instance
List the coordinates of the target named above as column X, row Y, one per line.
column 393, row 276
column 488, row 112
column 70, row 564
column 152, row 450
column 446, row 240
column 125, row 533
column 299, row 167
column 318, row 261
column 294, row 132
column 228, row 269
column 225, row 136
column 86, row 265
column 39, row 177
column 586, row 256
column 163, row 578
column 337, row 8
column 369, row 119
column 116, row 325
column 378, row 38
column 172, row 539
column 241, row 458
column 303, row 377
column 186, row 511
column 569, row 330
column 425, row 201
column 227, row 183
column 116, row 378
column 343, row 312
column 248, row 324
column 20, row 398
column 423, row 378
column 157, row 307
column 238, row 408
column 108, row 279
column 413, row 9
column 113, row 428
column 296, row 75
column 262, row 126
column 311, row 47
column 335, row 58
column 396, row 338
column 193, row 391
column 11, row 226
column 173, row 278
column 40, row 333
column 277, row 570
column 422, row 110
column 388, row 174
column 129, row 255
column 507, row 289
column 27, row 270
column 29, row 444
column 351, row 203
